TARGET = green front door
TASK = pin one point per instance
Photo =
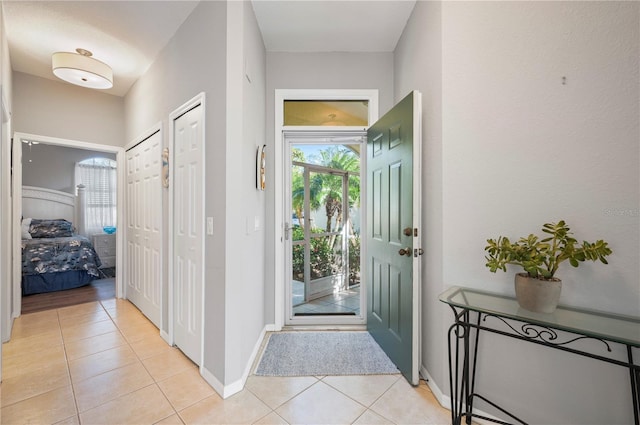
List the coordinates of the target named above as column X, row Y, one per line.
column 392, row 260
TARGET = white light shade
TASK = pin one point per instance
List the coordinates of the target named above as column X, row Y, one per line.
column 82, row 70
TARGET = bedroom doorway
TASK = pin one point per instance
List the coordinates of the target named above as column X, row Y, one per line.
column 21, row 155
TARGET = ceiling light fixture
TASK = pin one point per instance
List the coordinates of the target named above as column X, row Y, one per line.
column 82, row 70
column 30, row 143
column 332, row 121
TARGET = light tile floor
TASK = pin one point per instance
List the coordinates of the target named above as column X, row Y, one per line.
column 104, row 363
column 346, row 301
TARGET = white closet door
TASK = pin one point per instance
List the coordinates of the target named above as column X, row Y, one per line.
column 188, row 232
column 144, row 221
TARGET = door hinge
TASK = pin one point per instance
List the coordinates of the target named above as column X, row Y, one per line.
column 286, row 231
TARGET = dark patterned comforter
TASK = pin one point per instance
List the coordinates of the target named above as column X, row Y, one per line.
column 58, row 255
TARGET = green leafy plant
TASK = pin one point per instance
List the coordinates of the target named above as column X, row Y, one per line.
column 540, row 258
column 323, row 259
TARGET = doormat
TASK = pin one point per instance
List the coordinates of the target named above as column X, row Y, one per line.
column 323, row 353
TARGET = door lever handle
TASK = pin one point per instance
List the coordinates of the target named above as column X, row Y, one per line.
column 405, row 251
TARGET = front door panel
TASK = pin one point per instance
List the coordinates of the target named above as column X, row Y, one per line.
column 391, row 241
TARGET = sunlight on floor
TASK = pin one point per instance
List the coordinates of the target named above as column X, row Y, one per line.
column 347, row 301
column 104, row 362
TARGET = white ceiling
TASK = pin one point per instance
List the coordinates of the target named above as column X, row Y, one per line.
column 332, row 26
column 128, row 35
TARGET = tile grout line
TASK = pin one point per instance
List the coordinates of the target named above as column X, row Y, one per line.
column 284, row 402
column 68, row 366
column 372, row 403
column 37, row 370
column 155, row 382
column 110, row 370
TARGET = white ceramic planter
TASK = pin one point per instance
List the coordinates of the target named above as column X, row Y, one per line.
column 539, row 296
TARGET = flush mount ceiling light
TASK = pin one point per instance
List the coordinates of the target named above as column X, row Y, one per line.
column 30, row 143
column 332, row 121
column 82, row 70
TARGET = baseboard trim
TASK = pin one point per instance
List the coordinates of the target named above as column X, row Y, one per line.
column 166, row 337
column 212, row 380
column 445, row 400
column 226, row 391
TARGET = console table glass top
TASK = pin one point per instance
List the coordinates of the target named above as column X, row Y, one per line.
column 598, row 324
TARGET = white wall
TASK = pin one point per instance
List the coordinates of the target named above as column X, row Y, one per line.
column 191, row 63
column 519, row 149
column 56, row 109
column 245, row 244
column 53, row 167
column 208, row 54
column 316, row 71
column 418, row 66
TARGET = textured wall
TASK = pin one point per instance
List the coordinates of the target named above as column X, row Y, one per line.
column 56, row 109
column 540, row 122
column 53, row 167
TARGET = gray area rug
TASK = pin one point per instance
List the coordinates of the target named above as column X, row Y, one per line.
column 323, row 353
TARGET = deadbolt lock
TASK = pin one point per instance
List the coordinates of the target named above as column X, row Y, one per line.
column 408, row 231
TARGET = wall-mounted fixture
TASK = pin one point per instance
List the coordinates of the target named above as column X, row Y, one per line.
column 82, row 70
column 30, row 143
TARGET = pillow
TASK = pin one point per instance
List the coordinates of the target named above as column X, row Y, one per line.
column 50, row 228
column 26, row 222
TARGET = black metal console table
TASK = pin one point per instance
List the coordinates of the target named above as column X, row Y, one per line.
column 538, row 328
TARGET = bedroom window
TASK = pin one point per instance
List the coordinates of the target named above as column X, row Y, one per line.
column 100, row 179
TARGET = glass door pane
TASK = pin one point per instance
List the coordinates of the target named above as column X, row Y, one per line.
column 325, row 241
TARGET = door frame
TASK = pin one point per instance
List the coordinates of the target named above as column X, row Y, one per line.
column 6, row 214
column 281, row 95
column 323, row 138
column 17, row 204
column 198, row 100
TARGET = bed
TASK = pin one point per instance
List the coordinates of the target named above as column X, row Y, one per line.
column 56, row 252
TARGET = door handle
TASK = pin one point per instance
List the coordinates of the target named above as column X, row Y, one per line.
column 405, row 251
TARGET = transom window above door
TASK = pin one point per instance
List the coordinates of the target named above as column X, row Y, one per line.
column 330, row 113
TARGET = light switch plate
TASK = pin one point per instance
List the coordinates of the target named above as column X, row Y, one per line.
column 209, row 225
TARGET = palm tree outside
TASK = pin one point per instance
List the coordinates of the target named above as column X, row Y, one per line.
column 328, row 255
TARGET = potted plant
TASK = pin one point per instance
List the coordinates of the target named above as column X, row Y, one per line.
column 538, row 289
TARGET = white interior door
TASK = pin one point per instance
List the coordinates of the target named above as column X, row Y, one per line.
column 144, row 221
column 188, row 206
